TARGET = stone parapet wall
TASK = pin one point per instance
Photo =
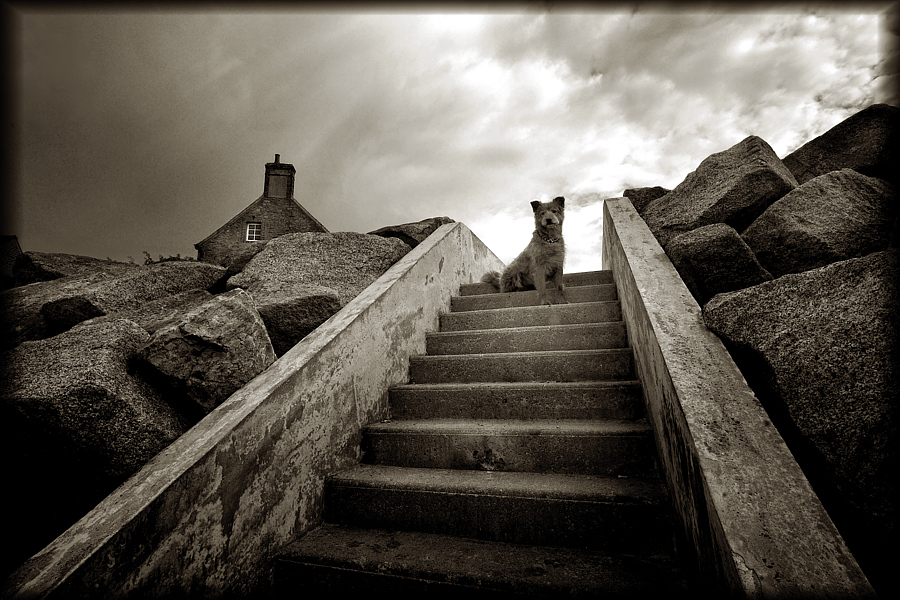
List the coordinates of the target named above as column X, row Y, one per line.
column 205, row 517
column 749, row 518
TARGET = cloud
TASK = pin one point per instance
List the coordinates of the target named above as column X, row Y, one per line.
column 147, row 131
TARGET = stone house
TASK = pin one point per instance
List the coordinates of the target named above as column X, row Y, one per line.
column 273, row 214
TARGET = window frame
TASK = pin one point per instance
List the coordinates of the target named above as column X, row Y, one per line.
column 256, row 231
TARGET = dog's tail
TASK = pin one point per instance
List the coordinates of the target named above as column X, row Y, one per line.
column 491, row 277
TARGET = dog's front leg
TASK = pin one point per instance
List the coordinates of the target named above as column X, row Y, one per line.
column 540, row 283
column 560, row 289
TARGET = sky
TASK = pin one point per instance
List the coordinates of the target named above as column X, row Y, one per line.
column 146, row 130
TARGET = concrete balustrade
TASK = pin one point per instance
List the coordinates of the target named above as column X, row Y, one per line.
column 749, row 518
column 206, row 516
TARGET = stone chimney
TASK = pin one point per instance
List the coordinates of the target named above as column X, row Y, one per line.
column 279, row 179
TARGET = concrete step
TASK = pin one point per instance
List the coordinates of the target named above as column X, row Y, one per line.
column 561, row 365
column 529, row 316
column 339, row 559
column 586, row 293
column 521, row 400
column 580, row 511
column 569, row 279
column 602, row 447
column 591, row 336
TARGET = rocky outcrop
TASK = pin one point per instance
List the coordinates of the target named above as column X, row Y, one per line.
column 819, row 349
column 40, row 310
column 866, row 142
column 156, row 314
column 293, row 313
column 641, row 197
column 818, row 342
column 830, row 218
column 733, row 187
column 299, row 280
column 32, row 267
column 75, row 422
column 346, row 262
column 77, row 391
column 125, row 358
column 212, row 350
column 714, row 259
column 412, row 234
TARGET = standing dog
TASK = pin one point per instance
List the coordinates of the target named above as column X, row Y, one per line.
column 542, row 258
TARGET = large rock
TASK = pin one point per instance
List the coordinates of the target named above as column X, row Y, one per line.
column 213, row 349
column 833, row 217
column 43, row 309
column 819, row 349
column 32, row 267
column 867, row 142
column 714, row 259
column 161, row 312
column 74, row 424
column 733, row 187
column 294, row 312
column 641, row 197
column 300, row 279
column 76, row 391
column 347, row 262
column 413, row 233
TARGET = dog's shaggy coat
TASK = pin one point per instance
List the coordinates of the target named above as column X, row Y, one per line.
column 542, row 260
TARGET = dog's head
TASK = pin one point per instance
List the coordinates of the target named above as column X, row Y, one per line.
column 549, row 215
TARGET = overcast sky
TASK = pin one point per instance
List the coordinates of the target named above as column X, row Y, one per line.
column 146, row 131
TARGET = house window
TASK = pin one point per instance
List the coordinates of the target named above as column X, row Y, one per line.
column 254, row 232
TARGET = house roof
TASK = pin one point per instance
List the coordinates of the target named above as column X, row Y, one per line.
column 239, row 217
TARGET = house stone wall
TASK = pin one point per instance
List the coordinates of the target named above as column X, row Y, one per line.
column 278, row 216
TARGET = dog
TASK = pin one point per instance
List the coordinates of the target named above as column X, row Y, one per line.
column 543, row 257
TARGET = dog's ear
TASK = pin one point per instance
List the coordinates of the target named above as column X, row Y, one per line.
column 560, row 200
column 535, row 204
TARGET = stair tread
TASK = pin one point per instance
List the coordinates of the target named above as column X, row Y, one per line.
column 512, row 310
column 548, row 354
column 527, row 329
column 495, row 427
column 486, row 565
column 594, row 488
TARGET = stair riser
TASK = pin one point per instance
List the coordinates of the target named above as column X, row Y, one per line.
column 602, row 293
column 619, row 527
column 604, row 455
column 560, row 314
column 601, row 365
column 607, row 402
column 570, row 279
column 586, row 337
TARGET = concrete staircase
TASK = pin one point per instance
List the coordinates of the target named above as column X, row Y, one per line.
column 517, row 462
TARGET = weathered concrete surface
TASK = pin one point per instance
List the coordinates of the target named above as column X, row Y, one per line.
column 747, row 511
column 207, row 515
column 820, row 349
